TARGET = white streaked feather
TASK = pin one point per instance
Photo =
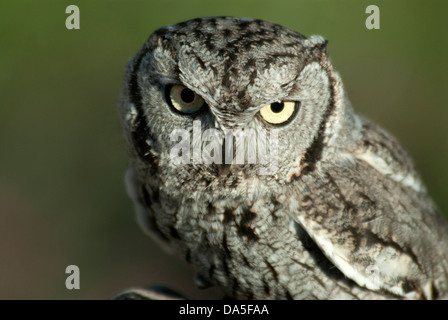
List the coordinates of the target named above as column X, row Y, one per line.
column 379, row 164
column 388, row 271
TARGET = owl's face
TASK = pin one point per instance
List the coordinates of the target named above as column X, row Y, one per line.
column 229, row 74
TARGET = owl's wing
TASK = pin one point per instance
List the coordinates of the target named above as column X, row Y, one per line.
column 371, row 216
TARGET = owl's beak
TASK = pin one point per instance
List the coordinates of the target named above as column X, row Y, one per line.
column 223, row 169
column 227, row 157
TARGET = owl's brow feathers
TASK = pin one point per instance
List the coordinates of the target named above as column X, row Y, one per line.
column 231, row 38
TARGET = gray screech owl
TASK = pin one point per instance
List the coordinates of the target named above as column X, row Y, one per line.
column 344, row 216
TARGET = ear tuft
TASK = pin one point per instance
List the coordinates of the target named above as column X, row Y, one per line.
column 317, row 43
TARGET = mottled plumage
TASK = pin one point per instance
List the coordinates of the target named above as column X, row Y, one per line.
column 345, row 216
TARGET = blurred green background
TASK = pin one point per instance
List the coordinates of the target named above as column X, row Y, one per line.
column 62, row 155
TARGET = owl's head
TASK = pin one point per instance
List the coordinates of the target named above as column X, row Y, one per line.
column 195, row 84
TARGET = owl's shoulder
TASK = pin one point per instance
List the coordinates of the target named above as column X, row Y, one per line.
column 369, row 212
column 382, row 151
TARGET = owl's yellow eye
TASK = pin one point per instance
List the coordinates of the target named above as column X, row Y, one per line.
column 278, row 112
column 184, row 100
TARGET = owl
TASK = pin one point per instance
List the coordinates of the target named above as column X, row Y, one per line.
column 321, row 204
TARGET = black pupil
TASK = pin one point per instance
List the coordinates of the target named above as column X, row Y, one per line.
column 277, row 107
column 187, row 95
